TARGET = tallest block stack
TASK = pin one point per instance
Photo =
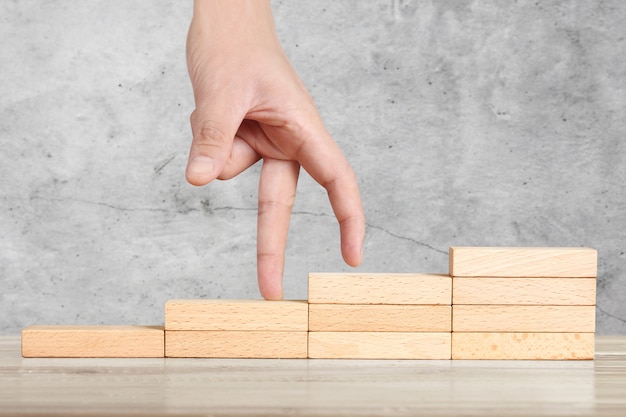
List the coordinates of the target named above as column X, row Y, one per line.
column 523, row 303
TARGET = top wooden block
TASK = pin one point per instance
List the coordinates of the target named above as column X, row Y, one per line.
column 377, row 288
column 523, row 262
column 248, row 315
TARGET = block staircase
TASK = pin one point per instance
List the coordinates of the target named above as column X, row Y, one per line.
column 495, row 303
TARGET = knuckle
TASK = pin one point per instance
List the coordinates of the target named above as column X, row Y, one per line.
column 209, row 138
column 273, row 205
column 268, row 255
column 354, row 219
column 210, row 133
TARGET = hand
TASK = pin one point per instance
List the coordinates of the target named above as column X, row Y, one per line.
column 251, row 105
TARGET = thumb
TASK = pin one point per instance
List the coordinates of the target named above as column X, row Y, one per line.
column 212, row 143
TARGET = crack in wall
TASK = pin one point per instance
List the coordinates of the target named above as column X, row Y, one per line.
column 415, row 241
column 312, row 213
column 241, row 209
column 162, row 164
column 102, row 204
column 620, row 319
column 226, row 208
column 382, row 229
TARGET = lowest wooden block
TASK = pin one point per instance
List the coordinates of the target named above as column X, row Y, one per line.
column 508, row 318
column 379, row 345
column 93, row 342
column 377, row 288
column 235, row 344
column 524, row 291
column 379, row 318
column 532, row 346
column 523, row 262
column 258, row 315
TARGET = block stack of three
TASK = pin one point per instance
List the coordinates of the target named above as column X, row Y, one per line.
column 523, row 303
column 379, row 316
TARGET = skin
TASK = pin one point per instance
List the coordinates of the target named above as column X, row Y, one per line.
column 250, row 106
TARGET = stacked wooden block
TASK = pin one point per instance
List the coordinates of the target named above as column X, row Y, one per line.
column 236, row 329
column 379, row 316
column 93, row 342
column 523, row 303
column 495, row 303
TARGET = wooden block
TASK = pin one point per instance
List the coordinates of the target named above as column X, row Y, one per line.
column 379, row 345
column 371, row 288
column 379, row 318
column 499, row 318
column 258, row 315
column 93, row 342
column 235, row 344
column 523, row 262
column 532, row 346
column 524, row 291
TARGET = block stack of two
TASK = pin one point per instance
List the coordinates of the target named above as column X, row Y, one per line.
column 379, row 316
column 236, row 329
column 523, row 303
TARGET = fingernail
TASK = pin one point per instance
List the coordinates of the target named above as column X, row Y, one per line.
column 200, row 170
column 200, row 165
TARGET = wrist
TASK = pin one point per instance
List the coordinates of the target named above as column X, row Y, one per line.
column 238, row 21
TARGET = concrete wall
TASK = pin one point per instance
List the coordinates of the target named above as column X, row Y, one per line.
column 468, row 123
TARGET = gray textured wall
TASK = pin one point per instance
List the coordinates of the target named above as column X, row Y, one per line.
column 468, row 123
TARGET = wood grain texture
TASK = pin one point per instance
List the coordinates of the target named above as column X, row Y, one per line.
column 235, row 344
column 533, row 346
column 379, row 318
column 258, row 315
column 523, row 262
column 503, row 318
column 375, row 288
column 379, row 345
column 93, row 342
column 313, row 388
column 524, row 291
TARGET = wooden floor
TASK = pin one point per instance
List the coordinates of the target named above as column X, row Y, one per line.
column 210, row 387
